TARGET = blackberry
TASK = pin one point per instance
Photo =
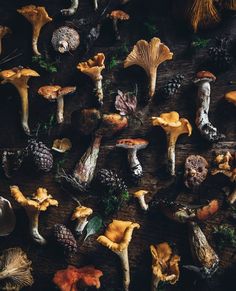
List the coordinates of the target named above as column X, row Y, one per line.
column 171, row 87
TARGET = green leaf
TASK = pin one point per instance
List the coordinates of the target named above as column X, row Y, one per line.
column 93, row 226
column 200, row 43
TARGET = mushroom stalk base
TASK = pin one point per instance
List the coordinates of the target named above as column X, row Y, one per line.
column 171, row 154
column 23, row 92
column 35, row 37
column 232, row 197
column 80, row 225
column 34, row 222
column 123, row 255
column 152, row 82
column 143, row 203
column 155, row 283
column 115, row 27
column 99, row 91
column 60, row 109
column 95, row 4
column 72, row 10
column 134, row 164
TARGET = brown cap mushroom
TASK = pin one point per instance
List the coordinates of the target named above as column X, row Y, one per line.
column 81, row 214
column 62, row 145
column 140, row 195
column 115, row 16
column 3, row 31
column 231, row 97
column 56, row 93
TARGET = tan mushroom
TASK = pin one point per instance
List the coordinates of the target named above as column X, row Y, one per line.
column 81, row 214
column 117, row 16
column 19, row 77
column 149, row 56
column 174, row 127
column 231, row 97
column 38, row 17
column 56, row 93
column 140, row 195
column 3, row 31
column 62, row 145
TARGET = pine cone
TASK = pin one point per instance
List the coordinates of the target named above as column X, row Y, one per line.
column 40, row 154
column 171, row 87
column 65, row 239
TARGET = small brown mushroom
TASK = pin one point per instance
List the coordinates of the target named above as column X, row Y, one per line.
column 62, row 145
column 3, row 31
column 116, row 16
column 140, row 195
column 231, row 97
column 56, row 93
column 81, row 214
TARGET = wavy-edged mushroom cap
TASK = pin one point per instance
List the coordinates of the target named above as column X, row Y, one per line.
column 17, row 75
column 224, row 164
column 35, row 15
column 81, row 212
column 208, row 210
column 231, row 97
column 132, row 143
column 118, row 15
column 118, row 235
column 112, row 123
column 62, row 145
column 93, row 67
column 204, row 76
column 53, row 92
column 140, row 193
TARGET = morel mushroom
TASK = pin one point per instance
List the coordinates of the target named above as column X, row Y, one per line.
column 207, row 130
column 15, row 270
column 117, row 238
column 38, row 17
column 149, row 56
column 72, row 9
column 65, row 39
column 62, row 145
column 174, row 127
column 116, row 16
column 81, row 214
column 133, row 145
column 93, row 68
column 56, row 93
column 165, row 265
column 19, row 78
column 231, row 97
column 196, row 169
column 3, row 31
column 39, row 201
column 7, row 217
column 140, row 195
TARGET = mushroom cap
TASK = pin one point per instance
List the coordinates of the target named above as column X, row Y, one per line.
column 225, row 164
column 112, row 123
column 17, row 73
column 132, row 143
column 35, row 15
column 81, row 212
column 62, row 145
column 118, row 15
column 53, row 92
column 118, row 235
column 4, row 30
column 140, row 193
column 204, row 76
column 231, row 97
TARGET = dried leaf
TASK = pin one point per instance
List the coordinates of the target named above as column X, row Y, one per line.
column 125, row 103
column 93, row 226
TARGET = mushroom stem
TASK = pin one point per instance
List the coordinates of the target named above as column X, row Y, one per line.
column 72, row 9
column 123, row 255
column 95, row 4
column 80, row 225
column 143, row 203
column 152, row 82
column 155, row 283
column 60, row 109
column 134, row 164
column 35, row 37
column 115, row 27
column 171, row 141
column 232, row 197
column 0, row 46
column 98, row 89
column 34, row 223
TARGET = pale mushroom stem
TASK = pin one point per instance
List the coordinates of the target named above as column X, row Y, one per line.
column 155, row 283
column 0, row 46
column 80, row 225
column 232, row 197
column 60, row 109
column 143, row 203
column 115, row 27
column 152, row 82
column 135, row 166
column 98, row 89
column 23, row 92
column 34, row 223
column 171, row 141
column 124, row 257
column 35, row 37
column 72, row 9
column 95, row 4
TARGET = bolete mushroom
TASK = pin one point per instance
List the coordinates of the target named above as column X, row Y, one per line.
column 117, row 238
column 56, row 93
column 39, row 201
column 207, row 130
column 231, row 97
column 140, row 195
column 19, row 78
column 62, row 145
column 7, row 217
column 3, row 31
column 133, row 145
column 38, row 17
column 81, row 214
column 116, row 16
column 165, row 265
column 72, row 9
column 93, row 68
column 149, row 56
column 174, row 127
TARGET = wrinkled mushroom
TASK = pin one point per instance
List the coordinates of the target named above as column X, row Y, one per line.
column 116, row 16
column 81, row 214
column 72, row 9
column 93, row 68
column 39, row 201
column 133, row 145
column 140, row 195
column 62, row 145
column 165, row 265
column 174, row 127
column 65, row 39
column 38, row 17
column 72, row 278
column 56, row 93
column 15, row 270
column 149, row 56
column 207, row 130
column 7, row 217
column 117, row 238
column 231, row 97
column 196, row 169
column 19, row 78
column 3, row 31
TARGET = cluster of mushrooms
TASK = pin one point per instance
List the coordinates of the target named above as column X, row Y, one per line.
column 15, row 269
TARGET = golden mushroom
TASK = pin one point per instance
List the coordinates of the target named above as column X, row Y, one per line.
column 117, row 238
column 231, row 97
column 38, row 17
column 19, row 77
column 81, row 214
column 140, row 195
column 149, row 55
column 174, row 127
column 62, row 145
column 3, row 31
column 39, row 201
column 116, row 16
column 93, row 68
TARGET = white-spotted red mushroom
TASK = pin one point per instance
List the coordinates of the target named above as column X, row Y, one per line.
column 133, row 145
column 117, row 16
column 81, row 214
column 140, row 195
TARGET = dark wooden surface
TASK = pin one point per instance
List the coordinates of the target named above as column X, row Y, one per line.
column 45, row 260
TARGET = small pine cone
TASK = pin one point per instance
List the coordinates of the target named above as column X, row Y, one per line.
column 40, row 155
column 65, row 239
column 171, row 87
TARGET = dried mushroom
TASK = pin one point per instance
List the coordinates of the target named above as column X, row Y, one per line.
column 149, row 56
column 33, row 205
column 72, row 9
column 165, row 265
column 117, row 16
column 38, row 17
column 15, row 270
column 117, row 238
column 7, row 217
column 19, row 78
column 231, row 97
column 140, row 195
column 62, row 145
column 81, row 214
column 174, row 127
column 3, row 31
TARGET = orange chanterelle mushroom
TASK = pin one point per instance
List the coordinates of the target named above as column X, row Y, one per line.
column 116, row 16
